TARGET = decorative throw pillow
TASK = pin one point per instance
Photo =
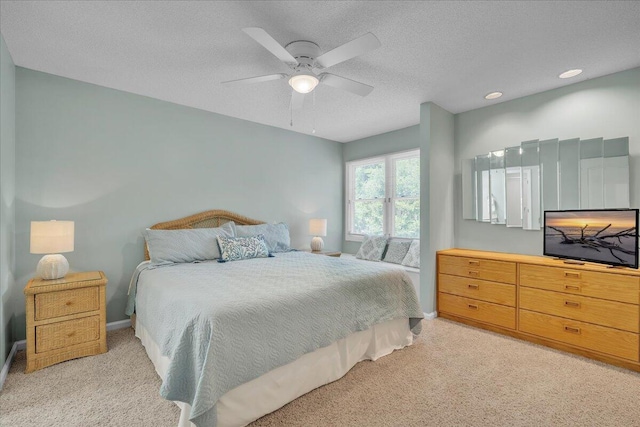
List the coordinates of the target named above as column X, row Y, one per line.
column 188, row 245
column 275, row 235
column 396, row 251
column 372, row 248
column 412, row 259
column 237, row 248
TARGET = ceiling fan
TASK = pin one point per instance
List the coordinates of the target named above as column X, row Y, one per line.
column 308, row 63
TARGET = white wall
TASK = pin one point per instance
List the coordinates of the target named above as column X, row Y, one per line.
column 7, row 198
column 115, row 163
column 606, row 107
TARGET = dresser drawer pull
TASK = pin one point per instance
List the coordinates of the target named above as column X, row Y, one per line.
column 70, row 334
column 572, row 330
column 68, row 303
column 572, row 274
column 474, row 262
column 473, row 273
column 473, row 286
column 472, row 306
column 572, row 304
column 572, row 288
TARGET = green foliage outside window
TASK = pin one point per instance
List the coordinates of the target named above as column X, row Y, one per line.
column 368, row 209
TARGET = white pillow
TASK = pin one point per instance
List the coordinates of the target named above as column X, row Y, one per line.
column 412, row 258
column 188, row 245
column 372, row 248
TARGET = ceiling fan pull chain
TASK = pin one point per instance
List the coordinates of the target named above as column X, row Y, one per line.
column 314, row 112
column 291, row 112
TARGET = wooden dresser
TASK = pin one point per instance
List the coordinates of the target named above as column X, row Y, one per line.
column 66, row 318
column 587, row 309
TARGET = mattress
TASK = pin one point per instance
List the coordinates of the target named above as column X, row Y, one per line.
column 265, row 394
column 221, row 326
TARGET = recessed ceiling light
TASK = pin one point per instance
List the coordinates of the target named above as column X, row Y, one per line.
column 570, row 73
column 493, row 95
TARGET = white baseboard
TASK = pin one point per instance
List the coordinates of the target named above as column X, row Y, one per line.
column 7, row 364
column 430, row 316
column 120, row 324
column 22, row 345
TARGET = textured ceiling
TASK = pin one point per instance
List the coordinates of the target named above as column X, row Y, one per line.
column 451, row 53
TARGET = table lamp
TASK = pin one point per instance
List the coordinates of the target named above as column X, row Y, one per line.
column 317, row 228
column 52, row 238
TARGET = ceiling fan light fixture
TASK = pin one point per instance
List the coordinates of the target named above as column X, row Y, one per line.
column 303, row 82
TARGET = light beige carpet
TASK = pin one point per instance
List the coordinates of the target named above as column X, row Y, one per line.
column 453, row 376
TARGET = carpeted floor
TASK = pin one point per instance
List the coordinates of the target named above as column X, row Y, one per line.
column 453, row 376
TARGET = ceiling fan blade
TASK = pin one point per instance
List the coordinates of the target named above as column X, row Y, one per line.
column 258, row 79
column 354, row 48
column 345, row 84
column 297, row 100
column 269, row 43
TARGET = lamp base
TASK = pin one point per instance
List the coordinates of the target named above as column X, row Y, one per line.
column 317, row 244
column 54, row 266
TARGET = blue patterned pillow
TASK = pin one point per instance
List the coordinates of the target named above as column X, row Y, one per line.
column 276, row 236
column 237, row 248
column 372, row 248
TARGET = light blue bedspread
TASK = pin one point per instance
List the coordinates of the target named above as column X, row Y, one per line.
column 225, row 324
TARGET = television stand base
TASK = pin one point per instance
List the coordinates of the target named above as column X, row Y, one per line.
column 622, row 267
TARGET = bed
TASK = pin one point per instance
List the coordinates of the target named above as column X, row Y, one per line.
column 237, row 340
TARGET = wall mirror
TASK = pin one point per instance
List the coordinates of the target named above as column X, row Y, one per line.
column 513, row 171
column 497, row 185
column 515, row 185
column 483, row 196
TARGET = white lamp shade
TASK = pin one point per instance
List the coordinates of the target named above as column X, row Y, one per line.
column 51, row 237
column 318, row 227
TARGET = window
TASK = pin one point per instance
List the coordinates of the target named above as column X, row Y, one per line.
column 383, row 196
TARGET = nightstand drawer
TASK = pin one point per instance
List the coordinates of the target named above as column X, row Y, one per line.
column 599, row 338
column 601, row 312
column 62, row 303
column 63, row 334
column 479, row 310
column 495, row 292
column 478, row 268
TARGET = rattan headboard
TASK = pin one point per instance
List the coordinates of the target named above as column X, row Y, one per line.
column 208, row 219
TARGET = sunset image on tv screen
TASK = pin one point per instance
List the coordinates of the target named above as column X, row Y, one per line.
column 609, row 237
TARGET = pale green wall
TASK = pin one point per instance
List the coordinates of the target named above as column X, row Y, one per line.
column 436, row 194
column 377, row 145
column 115, row 163
column 7, row 197
column 606, row 107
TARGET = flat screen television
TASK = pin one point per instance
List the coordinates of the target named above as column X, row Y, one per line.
column 607, row 236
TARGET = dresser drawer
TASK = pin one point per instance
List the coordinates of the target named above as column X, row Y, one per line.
column 498, row 293
column 601, row 312
column 62, row 303
column 478, row 310
column 610, row 286
column 598, row 338
column 63, row 334
column 478, row 268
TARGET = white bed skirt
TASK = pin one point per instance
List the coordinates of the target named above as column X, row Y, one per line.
column 276, row 388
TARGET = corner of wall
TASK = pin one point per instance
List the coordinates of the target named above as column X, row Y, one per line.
column 7, row 197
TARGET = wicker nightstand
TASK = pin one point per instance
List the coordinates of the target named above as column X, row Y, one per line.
column 335, row 254
column 66, row 318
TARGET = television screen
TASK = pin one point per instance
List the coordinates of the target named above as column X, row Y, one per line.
column 603, row 236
